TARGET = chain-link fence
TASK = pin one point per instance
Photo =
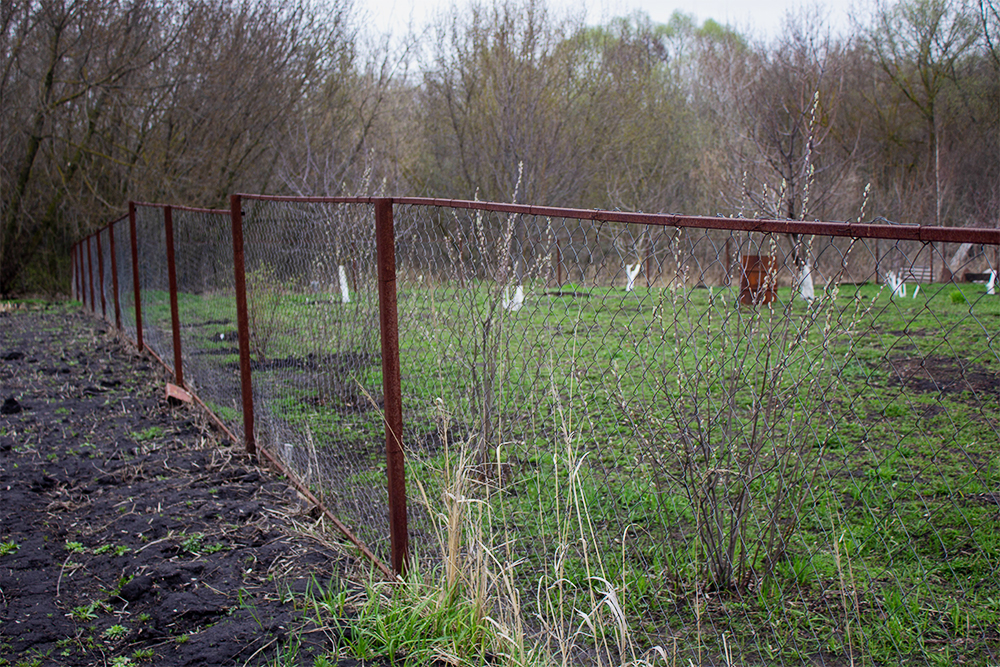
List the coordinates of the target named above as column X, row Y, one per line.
column 313, row 325
column 132, row 279
column 125, row 252
column 636, row 437
column 206, row 306
column 769, row 446
column 92, row 274
column 103, row 245
column 154, row 282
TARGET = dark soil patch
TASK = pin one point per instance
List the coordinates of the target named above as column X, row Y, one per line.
column 566, row 293
column 942, row 374
column 218, row 352
column 126, row 527
column 231, row 335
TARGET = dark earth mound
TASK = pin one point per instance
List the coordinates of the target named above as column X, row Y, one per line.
column 128, row 533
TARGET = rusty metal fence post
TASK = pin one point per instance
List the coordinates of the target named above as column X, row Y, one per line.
column 388, row 323
column 79, row 272
column 81, row 294
column 73, row 281
column 114, row 274
column 175, row 321
column 83, row 273
column 90, row 274
column 100, row 272
column 135, row 275
column 240, row 282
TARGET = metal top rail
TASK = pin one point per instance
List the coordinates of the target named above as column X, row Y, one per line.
column 190, row 209
column 923, row 233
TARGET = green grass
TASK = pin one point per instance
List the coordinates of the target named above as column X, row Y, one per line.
column 571, row 418
column 894, row 449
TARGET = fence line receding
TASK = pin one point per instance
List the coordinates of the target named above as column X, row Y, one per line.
column 767, row 439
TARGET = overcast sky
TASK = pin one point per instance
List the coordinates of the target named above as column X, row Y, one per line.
column 762, row 17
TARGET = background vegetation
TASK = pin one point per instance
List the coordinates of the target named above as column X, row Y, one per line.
column 102, row 101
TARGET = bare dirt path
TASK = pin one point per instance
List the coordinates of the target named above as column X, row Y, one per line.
column 128, row 534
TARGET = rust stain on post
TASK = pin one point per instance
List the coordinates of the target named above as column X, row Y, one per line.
column 135, row 275
column 236, row 216
column 175, row 319
column 388, row 322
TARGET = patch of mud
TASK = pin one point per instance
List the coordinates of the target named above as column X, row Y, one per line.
column 942, row 375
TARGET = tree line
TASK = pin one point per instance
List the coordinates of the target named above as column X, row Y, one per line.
column 186, row 101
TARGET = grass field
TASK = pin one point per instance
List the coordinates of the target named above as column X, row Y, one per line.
column 615, row 471
column 838, row 458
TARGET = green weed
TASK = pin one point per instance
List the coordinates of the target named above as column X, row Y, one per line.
column 143, row 655
column 146, row 435
column 88, row 612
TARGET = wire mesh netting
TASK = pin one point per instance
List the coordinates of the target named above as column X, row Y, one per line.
column 80, row 267
column 107, row 306
column 114, row 277
column 78, row 272
column 91, row 264
column 74, row 280
column 126, row 283
column 91, row 284
column 776, row 448
column 206, row 305
column 312, row 302
column 154, row 285
column 631, row 440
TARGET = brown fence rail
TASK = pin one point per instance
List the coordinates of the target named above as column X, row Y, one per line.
column 709, row 439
